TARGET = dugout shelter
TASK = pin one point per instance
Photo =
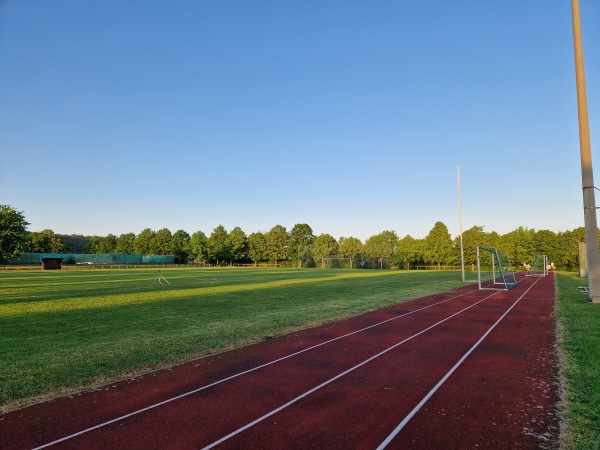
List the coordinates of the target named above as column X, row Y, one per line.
column 52, row 263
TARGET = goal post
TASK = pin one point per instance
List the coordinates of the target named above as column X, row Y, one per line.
column 538, row 267
column 494, row 269
column 336, row 263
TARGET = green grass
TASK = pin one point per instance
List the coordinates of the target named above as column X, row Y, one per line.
column 579, row 346
column 63, row 331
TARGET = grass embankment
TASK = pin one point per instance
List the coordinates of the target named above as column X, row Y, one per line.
column 63, row 331
column 579, row 346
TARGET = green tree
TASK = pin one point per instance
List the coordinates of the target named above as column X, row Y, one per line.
column 257, row 247
column 125, row 244
column 519, row 244
column 350, row 247
column 324, row 246
column 94, row 245
column 74, row 243
column 408, row 251
column 493, row 239
column 179, row 245
column 218, row 249
column 57, row 246
column 300, row 239
column 569, row 247
column 108, row 244
column 438, row 245
column 45, row 242
column 390, row 243
column 161, row 242
column 277, row 240
column 198, row 247
column 472, row 238
column 545, row 242
column 381, row 247
column 142, row 244
column 13, row 233
column 237, row 242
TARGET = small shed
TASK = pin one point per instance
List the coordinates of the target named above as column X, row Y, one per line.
column 52, row 263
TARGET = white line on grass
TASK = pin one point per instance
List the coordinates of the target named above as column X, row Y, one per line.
column 331, row 380
column 416, row 409
column 194, row 391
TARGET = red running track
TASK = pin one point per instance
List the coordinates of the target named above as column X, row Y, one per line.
column 462, row 369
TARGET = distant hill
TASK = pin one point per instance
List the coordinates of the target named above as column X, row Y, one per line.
column 75, row 242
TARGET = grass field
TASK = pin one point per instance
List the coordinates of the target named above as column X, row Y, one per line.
column 579, row 346
column 63, row 331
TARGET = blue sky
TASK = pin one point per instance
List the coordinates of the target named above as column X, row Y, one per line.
column 351, row 116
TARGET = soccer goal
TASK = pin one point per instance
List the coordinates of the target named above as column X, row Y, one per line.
column 336, row 263
column 494, row 269
column 538, row 267
column 160, row 280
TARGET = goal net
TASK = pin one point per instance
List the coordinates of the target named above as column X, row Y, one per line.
column 494, row 269
column 336, row 263
column 538, row 267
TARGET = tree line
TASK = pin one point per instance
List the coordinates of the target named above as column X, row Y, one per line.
column 299, row 246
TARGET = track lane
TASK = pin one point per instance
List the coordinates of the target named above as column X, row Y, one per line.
column 515, row 403
column 338, row 415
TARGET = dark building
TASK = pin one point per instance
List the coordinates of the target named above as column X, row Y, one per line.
column 52, row 263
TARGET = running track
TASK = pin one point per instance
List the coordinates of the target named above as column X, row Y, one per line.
column 462, row 369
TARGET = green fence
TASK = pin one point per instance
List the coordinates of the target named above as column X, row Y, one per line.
column 95, row 258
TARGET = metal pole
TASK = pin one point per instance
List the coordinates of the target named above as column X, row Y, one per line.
column 462, row 253
column 478, row 269
column 587, row 173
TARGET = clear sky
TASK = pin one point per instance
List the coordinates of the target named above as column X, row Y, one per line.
column 351, row 116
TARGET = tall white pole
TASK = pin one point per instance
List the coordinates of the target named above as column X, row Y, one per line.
column 462, row 253
column 587, row 174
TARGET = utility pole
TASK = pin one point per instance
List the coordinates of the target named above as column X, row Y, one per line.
column 587, row 173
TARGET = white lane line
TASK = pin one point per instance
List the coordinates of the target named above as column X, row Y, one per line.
column 185, row 394
column 331, row 380
column 416, row 409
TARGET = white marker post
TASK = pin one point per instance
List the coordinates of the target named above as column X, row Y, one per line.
column 462, row 253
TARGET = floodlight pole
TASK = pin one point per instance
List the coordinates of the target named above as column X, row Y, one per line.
column 587, row 173
column 462, row 253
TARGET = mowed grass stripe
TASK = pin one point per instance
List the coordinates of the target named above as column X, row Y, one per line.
column 143, row 292
column 77, row 334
